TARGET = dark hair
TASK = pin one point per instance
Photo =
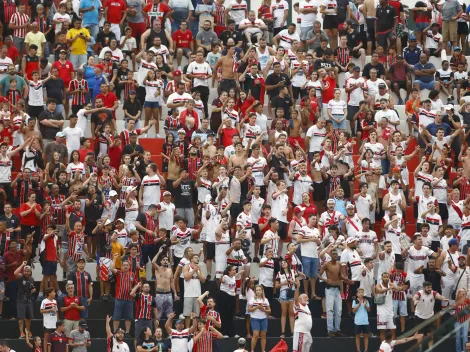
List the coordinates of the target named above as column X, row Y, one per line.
column 427, row 284
column 48, row 290
column 51, row 101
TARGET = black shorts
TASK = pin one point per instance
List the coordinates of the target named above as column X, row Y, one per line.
column 227, row 84
column 355, row 53
column 210, row 246
column 297, row 91
column 382, row 39
column 330, row 22
column 319, row 191
column 49, row 268
column 34, row 111
column 370, row 29
column 282, row 230
column 277, row 30
column 24, row 310
column 401, row 84
column 425, row 330
column 76, row 109
column 48, row 331
column 353, row 289
column 435, row 245
column 256, row 231
column 320, row 288
column 462, row 28
column 361, row 329
column 443, row 212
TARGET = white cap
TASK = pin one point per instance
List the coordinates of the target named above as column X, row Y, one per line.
column 351, row 240
column 113, row 193
column 130, row 189
column 108, row 222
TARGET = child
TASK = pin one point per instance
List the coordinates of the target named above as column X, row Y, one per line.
column 128, row 45
column 360, row 306
column 105, row 139
column 367, row 279
column 61, row 17
column 5, row 112
column 435, row 225
column 126, row 81
column 13, row 95
column 49, row 311
column 391, row 58
column 60, row 44
column 198, row 106
column 91, row 44
column 409, row 111
column 212, row 57
column 36, row 94
column 153, row 96
column 398, row 276
column 19, row 121
column 172, row 123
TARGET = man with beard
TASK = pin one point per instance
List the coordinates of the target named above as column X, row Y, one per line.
column 206, row 37
column 208, row 312
column 385, row 310
column 164, row 284
column 193, row 278
column 146, row 309
column 253, row 82
column 115, row 342
column 24, row 303
column 434, row 276
column 101, row 117
column 352, row 260
column 179, row 336
column 386, row 260
column 20, row 82
column 333, row 292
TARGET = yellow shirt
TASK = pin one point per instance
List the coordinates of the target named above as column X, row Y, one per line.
column 78, row 47
column 116, row 247
column 37, row 39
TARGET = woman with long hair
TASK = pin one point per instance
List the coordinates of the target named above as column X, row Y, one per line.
column 75, row 166
column 54, row 167
column 461, row 319
column 145, row 341
column 132, row 109
column 226, row 300
column 35, row 344
column 153, row 91
column 286, row 283
column 248, row 290
column 259, row 310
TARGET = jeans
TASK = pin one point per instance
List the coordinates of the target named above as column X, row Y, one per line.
column 78, row 60
column 461, row 336
column 60, row 109
column 84, row 313
column 333, row 308
column 94, row 29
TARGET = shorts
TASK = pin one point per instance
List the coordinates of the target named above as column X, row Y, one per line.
column 140, row 324
column 448, row 287
column 319, row 191
column 304, row 32
column 164, row 304
column 401, row 84
column 443, row 212
column 47, row 331
column 186, row 51
column 24, row 310
column 190, row 305
column 353, row 289
column 361, row 329
column 435, row 245
column 462, row 28
column 355, row 53
column 383, row 39
column 49, row 268
column 449, row 31
column 151, row 104
column 210, row 246
column 330, row 22
column 71, row 266
column 256, row 232
column 70, row 325
column 320, row 288
column 286, row 295
column 259, row 324
column 425, row 85
column 341, row 125
column 416, row 284
column 297, row 91
column 123, row 310
column 302, row 341
column 400, row 30
column 421, row 26
column 400, row 308
column 370, row 29
column 310, row 266
column 385, row 321
column 426, row 328
column 34, row 111
column 227, row 84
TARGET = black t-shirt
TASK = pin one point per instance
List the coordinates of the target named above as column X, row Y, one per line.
column 226, row 35
column 274, row 79
column 184, row 194
column 25, row 285
column 342, row 10
column 94, row 211
column 284, row 103
column 142, row 219
column 46, row 131
column 123, row 75
column 11, row 222
column 100, row 118
column 276, row 164
column 132, row 107
column 434, row 278
column 129, row 149
column 146, row 344
column 105, row 38
column 320, row 51
column 55, row 89
column 466, row 86
column 163, row 345
column 353, row 39
column 57, row 47
column 379, row 67
column 320, row 63
column 385, row 18
column 250, row 85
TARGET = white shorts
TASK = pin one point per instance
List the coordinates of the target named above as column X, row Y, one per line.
column 385, row 321
column 302, row 342
column 220, row 265
column 448, row 286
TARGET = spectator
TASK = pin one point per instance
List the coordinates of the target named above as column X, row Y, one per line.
column 19, row 22
column 424, row 72
column 79, row 339
column 78, row 37
column 89, row 11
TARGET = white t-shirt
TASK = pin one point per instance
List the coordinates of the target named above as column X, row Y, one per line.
column 116, row 54
column 307, row 19
column 386, row 347
column 130, row 45
column 357, row 95
column 258, row 302
column 433, row 40
column 237, row 10
column 176, row 98
column 50, row 318
column 352, row 259
column 391, row 116
column 316, row 138
column 309, row 249
column 278, row 9
column 337, row 107
column 72, row 137
column 197, row 69
column 417, row 258
column 286, row 39
column 82, row 120
column 36, row 93
column 61, row 18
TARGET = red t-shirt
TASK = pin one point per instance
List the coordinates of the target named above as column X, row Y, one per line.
column 311, row 209
column 242, row 107
column 7, row 132
column 13, row 53
column 83, row 153
column 108, row 101
column 11, row 258
column 31, row 219
column 73, row 313
column 51, row 249
column 329, row 92
column 261, row 221
column 64, row 71
column 314, row 104
column 227, row 134
column 115, row 8
column 114, row 154
column 183, row 40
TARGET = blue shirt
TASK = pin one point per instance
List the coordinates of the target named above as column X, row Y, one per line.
column 412, row 55
column 425, row 79
column 432, row 128
column 89, row 17
column 361, row 317
column 97, row 85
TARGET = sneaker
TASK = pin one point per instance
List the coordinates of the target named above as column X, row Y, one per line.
column 331, row 334
column 181, row 316
column 104, row 298
column 225, row 336
column 22, row 336
column 239, row 316
column 237, row 336
column 208, row 278
column 109, row 297
column 157, row 136
column 255, row 260
column 323, row 316
column 339, row 334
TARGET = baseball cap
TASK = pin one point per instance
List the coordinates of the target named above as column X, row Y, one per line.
column 351, row 240
column 461, row 256
column 177, row 73
column 63, row 51
column 101, row 67
column 60, row 134
column 81, row 260
column 181, row 131
column 350, row 205
column 357, row 69
column 412, row 37
column 180, row 321
column 453, row 242
column 241, row 341
column 399, row 56
column 457, row 48
column 120, row 220
column 382, row 85
column 108, row 222
column 166, row 193
column 83, row 324
column 112, row 193
column 449, row 107
column 131, row 189
column 298, row 209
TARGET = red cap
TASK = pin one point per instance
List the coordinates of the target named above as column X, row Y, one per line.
column 177, row 73
column 101, row 67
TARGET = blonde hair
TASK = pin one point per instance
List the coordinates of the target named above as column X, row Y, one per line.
column 262, row 290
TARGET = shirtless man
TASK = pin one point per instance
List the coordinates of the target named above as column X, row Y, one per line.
column 208, row 148
column 228, row 75
column 296, row 128
column 174, row 163
column 29, row 131
column 164, row 284
column 465, row 162
column 333, row 281
column 319, row 189
column 288, row 152
column 240, row 158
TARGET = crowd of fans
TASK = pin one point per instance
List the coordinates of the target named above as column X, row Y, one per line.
column 269, row 172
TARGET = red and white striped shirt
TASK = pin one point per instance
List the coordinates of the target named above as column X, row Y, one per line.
column 125, row 281
column 144, row 306
column 19, row 19
column 76, row 243
column 78, row 98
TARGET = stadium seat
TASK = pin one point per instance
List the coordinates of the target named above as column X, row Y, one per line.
column 154, row 145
